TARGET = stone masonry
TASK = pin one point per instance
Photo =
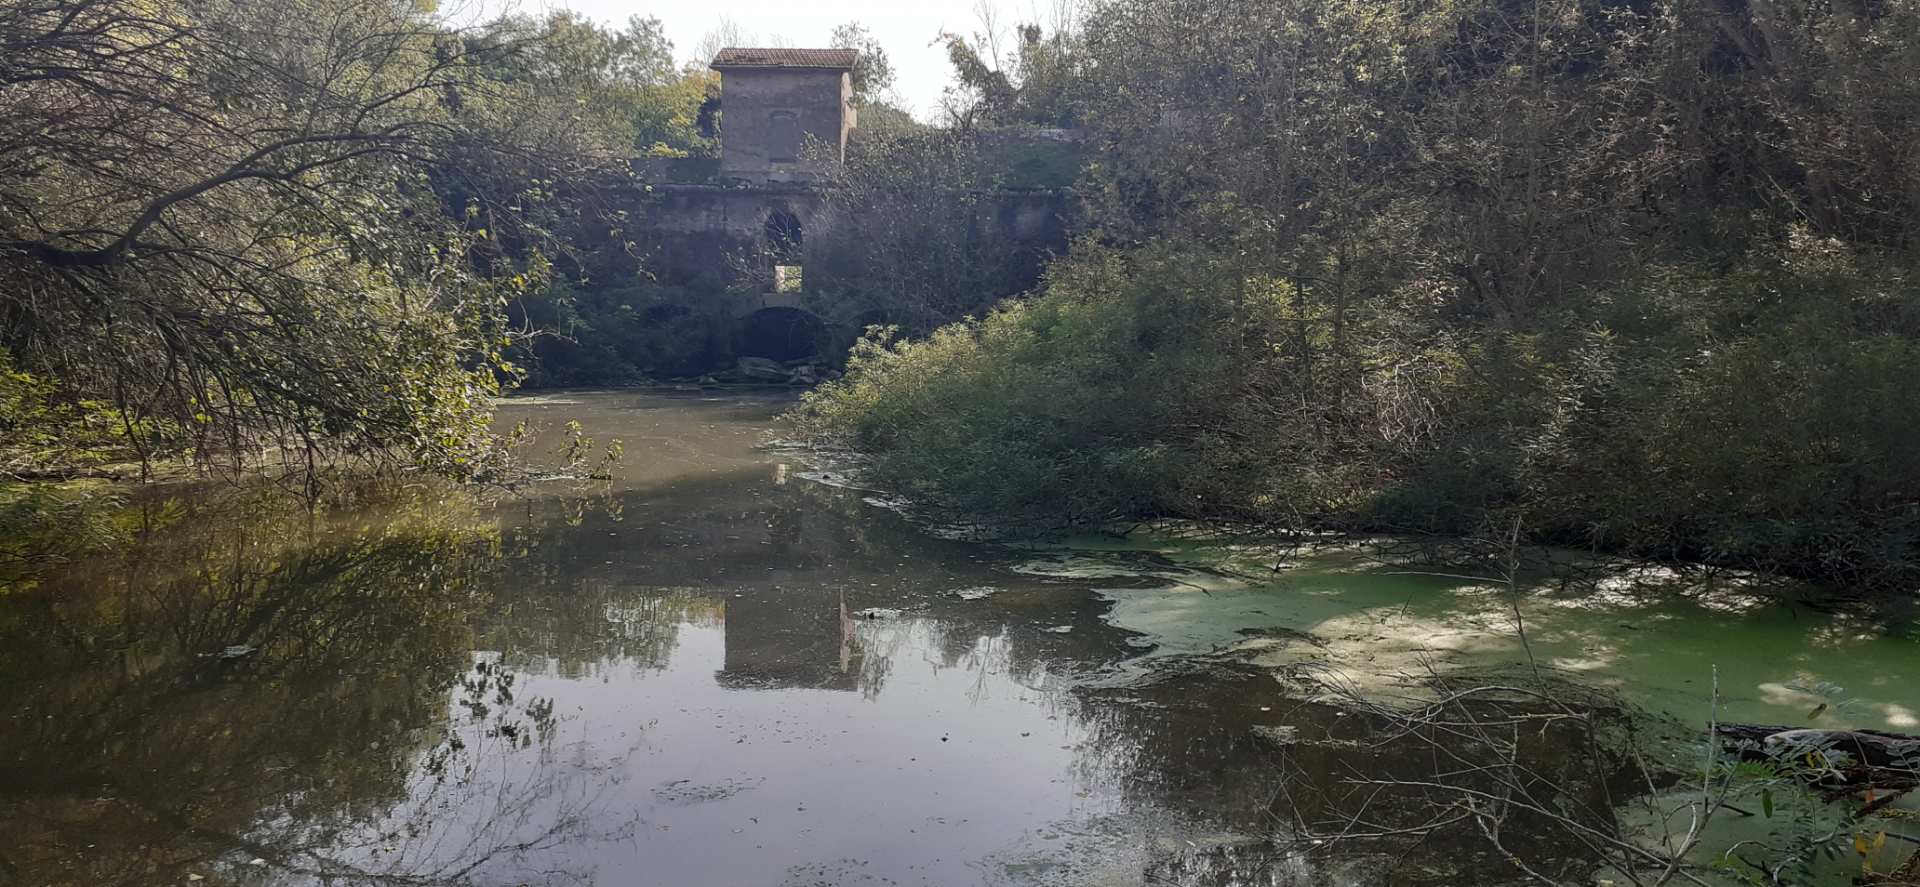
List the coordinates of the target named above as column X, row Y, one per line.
column 774, row 103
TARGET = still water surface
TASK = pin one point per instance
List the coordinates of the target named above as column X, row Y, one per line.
column 726, row 671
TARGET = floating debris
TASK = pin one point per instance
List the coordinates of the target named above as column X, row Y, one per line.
column 685, row 791
column 1287, row 734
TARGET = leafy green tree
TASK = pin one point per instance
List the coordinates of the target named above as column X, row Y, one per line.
column 1034, row 84
column 873, row 74
column 220, row 220
column 679, row 118
column 590, row 90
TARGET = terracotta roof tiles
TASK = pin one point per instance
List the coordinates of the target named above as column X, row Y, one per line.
column 737, row 57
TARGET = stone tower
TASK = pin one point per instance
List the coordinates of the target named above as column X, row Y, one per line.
column 773, row 101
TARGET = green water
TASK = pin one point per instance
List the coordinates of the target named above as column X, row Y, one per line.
column 1659, row 646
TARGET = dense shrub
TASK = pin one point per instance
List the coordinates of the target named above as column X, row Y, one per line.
column 1089, row 403
column 618, row 335
column 1761, row 418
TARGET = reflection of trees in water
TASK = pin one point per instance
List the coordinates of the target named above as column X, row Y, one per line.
column 789, row 561
column 572, row 628
column 489, row 801
column 989, row 654
column 244, row 660
column 1296, row 773
column 730, row 527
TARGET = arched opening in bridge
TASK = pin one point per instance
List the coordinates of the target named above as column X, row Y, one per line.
column 784, row 244
column 783, row 334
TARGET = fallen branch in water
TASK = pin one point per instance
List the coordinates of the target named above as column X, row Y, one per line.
column 1838, row 762
column 1874, row 748
column 1530, row 771
column 59, row 474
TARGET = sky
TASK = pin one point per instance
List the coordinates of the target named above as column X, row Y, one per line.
column 907, row 29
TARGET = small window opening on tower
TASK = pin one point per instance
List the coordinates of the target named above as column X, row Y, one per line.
column 783, row 137
column 784, row 243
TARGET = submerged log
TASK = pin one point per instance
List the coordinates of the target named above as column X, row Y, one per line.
column 1872, row 748
column 1886, row 766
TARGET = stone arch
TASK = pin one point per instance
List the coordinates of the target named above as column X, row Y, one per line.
column 782, row 333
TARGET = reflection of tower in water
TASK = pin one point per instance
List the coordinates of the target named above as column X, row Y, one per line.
column 790, row 638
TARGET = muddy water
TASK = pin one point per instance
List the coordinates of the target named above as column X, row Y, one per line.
column 721, row 670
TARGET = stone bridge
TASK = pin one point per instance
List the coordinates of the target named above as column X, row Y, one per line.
column 713, row 236
column 739, row 245
column 732, row 227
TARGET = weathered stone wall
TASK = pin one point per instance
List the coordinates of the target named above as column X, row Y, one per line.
column 725, row 210
column 701, row 236
column 756, row 145
column 710, row 246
